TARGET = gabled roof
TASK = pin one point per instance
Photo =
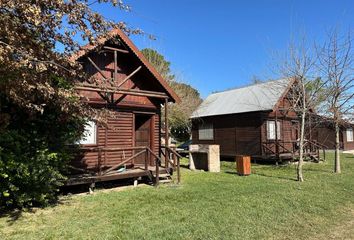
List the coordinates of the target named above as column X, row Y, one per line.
column 117, row 32
column 258, row 97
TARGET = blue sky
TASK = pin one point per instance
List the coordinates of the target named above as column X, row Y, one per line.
column 216, row 45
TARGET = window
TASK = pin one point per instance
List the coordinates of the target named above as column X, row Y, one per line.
column 90, row 133
column 350, row 135
column 271, row 130
column 206, row 131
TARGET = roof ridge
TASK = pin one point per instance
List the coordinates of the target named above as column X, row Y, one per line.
column 249, row 85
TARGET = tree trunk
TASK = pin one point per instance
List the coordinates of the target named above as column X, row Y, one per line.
column 337, row 154
column 300, row 176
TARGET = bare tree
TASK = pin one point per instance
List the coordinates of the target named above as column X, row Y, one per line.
column 337, row 66
column 299, row 66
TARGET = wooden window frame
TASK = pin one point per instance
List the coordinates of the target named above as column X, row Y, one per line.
column 350, row 130
column 278, row 134
column 95, row 137
column 211, row 129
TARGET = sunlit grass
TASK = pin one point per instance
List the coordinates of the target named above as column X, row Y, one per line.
column 267, row 204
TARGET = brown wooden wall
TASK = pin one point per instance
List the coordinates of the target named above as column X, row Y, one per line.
column 121, row 127
column 244, row 134
column 120, row 134
column 126, row 64
column 236, row 134
column 288, row 131
column 346, row 145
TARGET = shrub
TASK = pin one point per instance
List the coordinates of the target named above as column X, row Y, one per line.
column 34, row 155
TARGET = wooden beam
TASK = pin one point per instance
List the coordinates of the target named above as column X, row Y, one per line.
column 166, row 134
column 116, row 49
column 97, row 68
column 129, row 76
column 133, row 92
column 120, row 89
column 115, row 66
column 111, row 149
column 127, row 92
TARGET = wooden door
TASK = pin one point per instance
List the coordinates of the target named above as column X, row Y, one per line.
column 143, row 133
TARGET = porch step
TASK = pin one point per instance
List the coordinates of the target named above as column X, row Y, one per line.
column 165, row 181
column 164, row 177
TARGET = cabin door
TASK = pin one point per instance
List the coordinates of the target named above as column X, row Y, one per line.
column 143, row 131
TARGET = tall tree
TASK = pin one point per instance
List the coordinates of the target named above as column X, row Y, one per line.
column 179, row 122
column 40, row 113
column 336, row 62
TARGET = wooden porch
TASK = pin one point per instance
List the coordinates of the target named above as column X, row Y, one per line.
column 156, row 169
column 289, row 150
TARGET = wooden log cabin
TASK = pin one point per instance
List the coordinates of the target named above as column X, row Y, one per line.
column 120, row 79
column 255, row 120
column 324, row 131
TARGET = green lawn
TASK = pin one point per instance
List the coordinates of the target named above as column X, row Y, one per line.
column 269, row 204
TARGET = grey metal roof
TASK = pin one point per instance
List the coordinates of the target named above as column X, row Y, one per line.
column 257, row 97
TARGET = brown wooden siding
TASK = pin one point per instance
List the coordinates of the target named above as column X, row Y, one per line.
column 120, row 134
column 236, row 134
column 346, row 145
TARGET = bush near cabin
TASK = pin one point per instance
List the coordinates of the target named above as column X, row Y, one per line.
column 34, row 154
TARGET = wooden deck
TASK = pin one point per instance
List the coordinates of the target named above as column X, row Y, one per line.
column 136, row 172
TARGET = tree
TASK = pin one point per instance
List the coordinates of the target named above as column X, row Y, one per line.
column 179, row 122
column 40, row 111
column 159, row 62
column 304, row 94
column 336, row 63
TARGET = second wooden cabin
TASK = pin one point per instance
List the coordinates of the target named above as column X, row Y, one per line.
column 255, row 120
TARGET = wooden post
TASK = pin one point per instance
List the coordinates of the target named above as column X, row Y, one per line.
column 157, row 174
column 146, row 159
column 174, row 159
column 166, row 134
column 105, row 145
column 276, row 136
column 178, row 171
column 99, row 161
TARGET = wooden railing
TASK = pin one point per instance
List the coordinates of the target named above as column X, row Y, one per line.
column 278, row 147
column 176, row 160
column 104, row 170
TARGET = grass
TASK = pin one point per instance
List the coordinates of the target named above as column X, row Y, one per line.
column 269, row 204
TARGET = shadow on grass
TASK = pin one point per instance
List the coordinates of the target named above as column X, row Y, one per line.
column 12, row 215
column 263, row 175
column 318, row 170
column 272, row 176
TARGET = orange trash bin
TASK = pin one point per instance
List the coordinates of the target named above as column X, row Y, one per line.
column 243, row 165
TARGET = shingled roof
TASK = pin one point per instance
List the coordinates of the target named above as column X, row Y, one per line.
column 253, row 98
